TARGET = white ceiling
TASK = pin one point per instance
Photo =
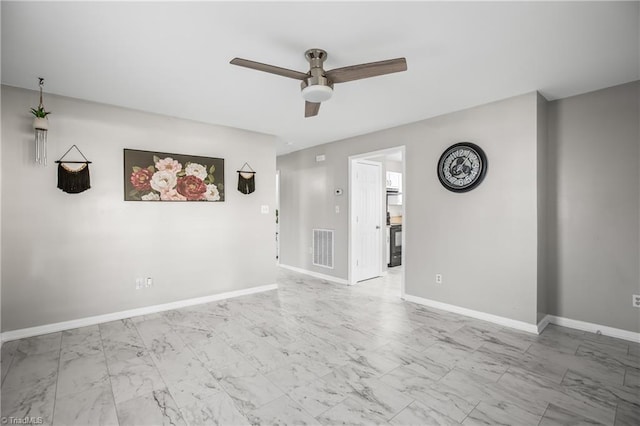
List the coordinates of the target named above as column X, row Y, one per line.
column 173, row 58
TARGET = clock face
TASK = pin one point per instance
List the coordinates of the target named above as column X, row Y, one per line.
column 462, row 167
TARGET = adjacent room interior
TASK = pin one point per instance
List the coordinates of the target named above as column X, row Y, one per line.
column 320, row 213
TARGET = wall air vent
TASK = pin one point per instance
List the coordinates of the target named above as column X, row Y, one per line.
column 323, row 248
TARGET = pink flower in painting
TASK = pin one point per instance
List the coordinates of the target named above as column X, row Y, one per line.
column 141, row 179
column 171, row 195
column 168, row 165
column 191, row 187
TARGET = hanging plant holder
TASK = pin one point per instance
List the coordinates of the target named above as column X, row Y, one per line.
column 40, row 126
column 41, row 123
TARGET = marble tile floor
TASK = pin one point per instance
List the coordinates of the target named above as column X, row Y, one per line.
column 313, row 352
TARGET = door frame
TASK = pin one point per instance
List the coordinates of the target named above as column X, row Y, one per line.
column 351, row 222
column 278, row 217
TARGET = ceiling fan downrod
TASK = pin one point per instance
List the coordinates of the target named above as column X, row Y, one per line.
column 317, row 87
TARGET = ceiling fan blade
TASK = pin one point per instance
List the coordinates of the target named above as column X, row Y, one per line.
column 311, row 109
column 269, row 68
column 372, row 69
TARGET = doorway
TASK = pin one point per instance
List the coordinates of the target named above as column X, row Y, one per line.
column 377, row 223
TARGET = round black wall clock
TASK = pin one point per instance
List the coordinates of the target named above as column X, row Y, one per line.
column 462, row 167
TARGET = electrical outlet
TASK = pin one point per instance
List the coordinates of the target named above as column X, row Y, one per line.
column 636, row 300
column 438, row 278
column 139, row 283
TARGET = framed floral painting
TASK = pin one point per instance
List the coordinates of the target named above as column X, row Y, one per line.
column 159, row 176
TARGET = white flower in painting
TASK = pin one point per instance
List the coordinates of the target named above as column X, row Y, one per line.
column 152, row 196
column 163, row 180
column 168, row 165
column 197, row 170
column 212, row 193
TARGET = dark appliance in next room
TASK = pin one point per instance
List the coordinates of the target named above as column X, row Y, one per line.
column 395, row 241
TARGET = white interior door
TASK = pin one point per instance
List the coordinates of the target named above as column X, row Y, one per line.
column 367, row 208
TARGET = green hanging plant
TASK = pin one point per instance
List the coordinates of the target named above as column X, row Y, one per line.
column 40, row 112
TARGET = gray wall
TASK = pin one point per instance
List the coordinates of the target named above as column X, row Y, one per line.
column 594, row 206
column 393, row 166
column 543, row 227
column 492, row 230
column 0, row 222
column 72, row 256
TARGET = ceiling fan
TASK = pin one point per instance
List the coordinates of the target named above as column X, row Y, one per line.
column 317, row 84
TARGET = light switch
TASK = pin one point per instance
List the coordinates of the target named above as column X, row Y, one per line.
column 337, row 209
column 264, row 209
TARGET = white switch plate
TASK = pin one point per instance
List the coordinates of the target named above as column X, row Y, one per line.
column 337, row 209
column 636, row 300
column 320, row 158
column 264, row 209
column 438, row 278
column 149, row 282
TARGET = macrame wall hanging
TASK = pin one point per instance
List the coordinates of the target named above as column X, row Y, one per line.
column 73, row 181
column 40, row 126
column 246, row 179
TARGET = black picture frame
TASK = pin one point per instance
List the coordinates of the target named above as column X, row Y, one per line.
column 161, row 176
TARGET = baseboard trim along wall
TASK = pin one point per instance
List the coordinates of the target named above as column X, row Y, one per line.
column 590, row 327
column 98, row 319
column 530, row 328
column 544, row 322
column 507, row 322
column 315, row 274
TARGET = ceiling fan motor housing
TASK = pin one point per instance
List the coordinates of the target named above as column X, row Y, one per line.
column 316, row 87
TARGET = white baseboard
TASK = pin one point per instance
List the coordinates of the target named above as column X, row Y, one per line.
column 544, row 322
column 507, row 322
column 314, row 274
column 592, row 328
column 98, row 319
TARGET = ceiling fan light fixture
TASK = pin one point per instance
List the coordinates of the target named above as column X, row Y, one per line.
column 317, row 93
